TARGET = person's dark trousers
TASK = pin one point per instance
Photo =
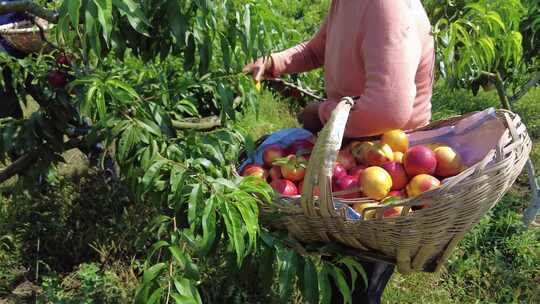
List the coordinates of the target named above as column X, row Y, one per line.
column 9, row 102
column 378, row 274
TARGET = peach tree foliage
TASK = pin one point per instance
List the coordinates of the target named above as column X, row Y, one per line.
column 474, row 37
column 141, row 70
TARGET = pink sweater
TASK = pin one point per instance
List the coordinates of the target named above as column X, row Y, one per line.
column 381, row 50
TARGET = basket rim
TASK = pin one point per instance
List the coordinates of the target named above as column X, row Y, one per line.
column 432, row 125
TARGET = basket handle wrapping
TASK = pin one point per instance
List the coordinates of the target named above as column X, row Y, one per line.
column 322, row 160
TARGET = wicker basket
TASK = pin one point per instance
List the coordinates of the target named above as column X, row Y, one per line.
column 418, row 240
column 26, row 37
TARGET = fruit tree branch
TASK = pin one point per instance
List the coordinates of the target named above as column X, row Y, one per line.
column 18, row 166
column 26, row 6
column 197, row 124
column 531, row 83
column 534, row 207
column 27, row 160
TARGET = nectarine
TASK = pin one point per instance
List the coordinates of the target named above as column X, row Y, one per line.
column 397, row 140
column 378, row 154
column 448, row 162
column 419, row 160
column 375, row 183
column 398, row 174
column 422, row 183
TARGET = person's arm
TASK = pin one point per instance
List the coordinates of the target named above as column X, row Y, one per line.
column 391, row 51
column 303, row 57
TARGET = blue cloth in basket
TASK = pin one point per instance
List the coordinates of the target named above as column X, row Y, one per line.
column 284, row 138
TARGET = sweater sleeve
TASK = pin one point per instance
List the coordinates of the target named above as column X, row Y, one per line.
column 303, row 57
column 391, row 52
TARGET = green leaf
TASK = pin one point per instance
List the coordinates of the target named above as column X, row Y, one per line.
column 266, row 269
column 233, row 222
column 141, row 295
column 496, row 18
column 310, row 288
column 188, row 292
column 134, row 15
column 247, row 27
column 209, row 226
column 101, row 106
column 177, row 21
column 124, row 86
column 190, row 269
column 289, row 263
column 226, row 99
column 339, row 280
column 105, row 17
column 248, row 209
column 73, row 7
column 86, row 108
column 325, row 292
column 189, row 52
column 152, row 173
column 226, row 52
column 249, row 143
column 225, row 182
column 195, row 199
column 156, row 296
column 182, row 299
column 92, row 31
column 127, row 142
column 150, row 126
column 151, row 273
column 158, row 245
column 355, row 268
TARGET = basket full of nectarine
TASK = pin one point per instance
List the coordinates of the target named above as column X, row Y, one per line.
column 405, row 197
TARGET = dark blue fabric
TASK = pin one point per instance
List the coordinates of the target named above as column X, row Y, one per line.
column 10, row 18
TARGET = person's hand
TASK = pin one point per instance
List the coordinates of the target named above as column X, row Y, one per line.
column 260, row 69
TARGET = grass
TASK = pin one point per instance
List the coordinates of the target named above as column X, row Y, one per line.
column 274, row 113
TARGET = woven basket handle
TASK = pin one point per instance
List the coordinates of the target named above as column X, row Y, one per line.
column 322, row 160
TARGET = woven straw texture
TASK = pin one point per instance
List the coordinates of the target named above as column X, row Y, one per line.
column 26, row 37
column 420, row 240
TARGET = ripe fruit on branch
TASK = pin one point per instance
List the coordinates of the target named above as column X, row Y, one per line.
column 63, row 60
column 419, row 160
column 57, row 79
column 284, row 187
